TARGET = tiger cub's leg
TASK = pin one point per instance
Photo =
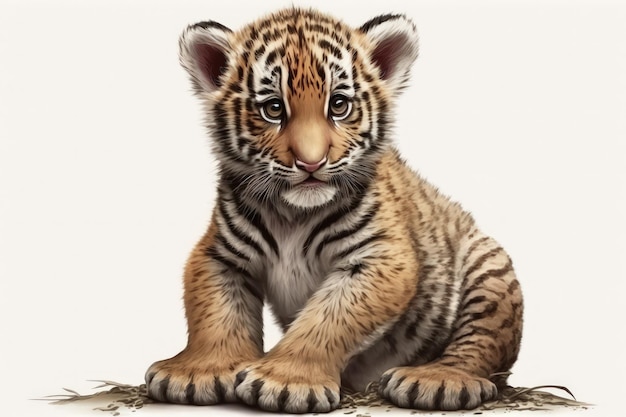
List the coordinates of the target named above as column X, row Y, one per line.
column 357, row 302
column 485, row 339
column 224, row 315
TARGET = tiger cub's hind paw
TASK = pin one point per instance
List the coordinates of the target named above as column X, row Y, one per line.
column 435, row 387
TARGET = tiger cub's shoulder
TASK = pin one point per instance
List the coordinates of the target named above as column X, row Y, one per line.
column 410, row 196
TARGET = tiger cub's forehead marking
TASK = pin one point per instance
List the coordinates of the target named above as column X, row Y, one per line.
column 298, row 54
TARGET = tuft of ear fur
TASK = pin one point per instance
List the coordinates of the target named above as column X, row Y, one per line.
column 204, row 49
column 395, row 42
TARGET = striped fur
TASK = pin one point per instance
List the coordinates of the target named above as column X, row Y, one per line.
column 371, row 272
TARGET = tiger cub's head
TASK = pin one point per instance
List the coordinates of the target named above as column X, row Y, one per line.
column 298, row 103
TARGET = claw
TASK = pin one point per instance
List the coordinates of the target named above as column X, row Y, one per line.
column 241, row 376
column 384, row 381
column 256, row 390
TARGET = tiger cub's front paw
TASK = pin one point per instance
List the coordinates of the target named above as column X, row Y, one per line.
column 435, row 387
column 288, row 387
column 184, row 380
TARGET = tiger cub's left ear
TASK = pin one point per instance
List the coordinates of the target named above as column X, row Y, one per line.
column 395, row 42
column 204, row 53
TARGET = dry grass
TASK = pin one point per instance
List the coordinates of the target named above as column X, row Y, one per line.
column 510, row 398
column 114, row 397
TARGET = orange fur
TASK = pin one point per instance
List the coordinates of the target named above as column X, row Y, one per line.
column 376, row 277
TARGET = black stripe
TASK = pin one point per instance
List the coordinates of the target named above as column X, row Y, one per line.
column 484, row 276
column 252, row 150
column 236, row 87
column 278, row 167
column 384, row 381
column 367, row 217
column 367, row 26
column 453, row 356
column 412, row 393
column 464, row 398
column 256, row 385
column 210, row 24
column 240, row 70
column 365, row 135
column 331, row 398
column 240, row 377
column 234, row 230
column 228, row 246
column 220, row 125
column 489, row 310
column 219, row 389
column 329, row 220
column 465, row 343
column 249, row 283
column 312, row 401
column 506, row 323
column 383, row 118
column 190, row 393
column 439, row 397
column 282, row 398
column 245, row 56
column 221, row 131
column 484, row 395
column 259, row 52
column 265, row 92
column 473, row 247
column 491, row 273
column 321, row 72
column 254, row 218
column 427, row 199
column 514, row 285
column 475, row 300
column 481, row 260
column 250, row 81
column 163, row 385
column 359, row 245
column 213, row 254
column 237, row 109
column 270, row 58
column 254, row 288
column 476, row 331
column 315, row 27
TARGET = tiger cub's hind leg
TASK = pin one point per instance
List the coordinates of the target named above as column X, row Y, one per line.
column 485, row 340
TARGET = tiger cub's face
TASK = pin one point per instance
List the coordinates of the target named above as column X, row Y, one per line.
column 298, row 103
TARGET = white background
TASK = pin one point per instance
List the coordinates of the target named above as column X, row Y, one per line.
column 516, row 109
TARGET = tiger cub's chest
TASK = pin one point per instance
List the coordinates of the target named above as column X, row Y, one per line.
column 292, row 276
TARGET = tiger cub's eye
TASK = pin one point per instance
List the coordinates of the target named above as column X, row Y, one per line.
column 339, row 107
column 273, row 110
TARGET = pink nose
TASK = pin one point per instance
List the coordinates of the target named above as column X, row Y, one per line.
column 310, row 167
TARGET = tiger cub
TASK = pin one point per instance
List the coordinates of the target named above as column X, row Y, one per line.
column 371, row 272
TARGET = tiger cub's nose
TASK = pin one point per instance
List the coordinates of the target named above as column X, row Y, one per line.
column 311, row 167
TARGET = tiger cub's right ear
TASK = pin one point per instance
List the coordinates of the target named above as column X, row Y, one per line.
column 204, row 49
column 395, row 46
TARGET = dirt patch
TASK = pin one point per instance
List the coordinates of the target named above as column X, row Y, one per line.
column 114, row 397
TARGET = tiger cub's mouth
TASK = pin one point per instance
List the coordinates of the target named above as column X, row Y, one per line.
column 309, row 193
column 311, row 181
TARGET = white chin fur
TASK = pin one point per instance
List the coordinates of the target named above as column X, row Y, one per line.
column 309, row 197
